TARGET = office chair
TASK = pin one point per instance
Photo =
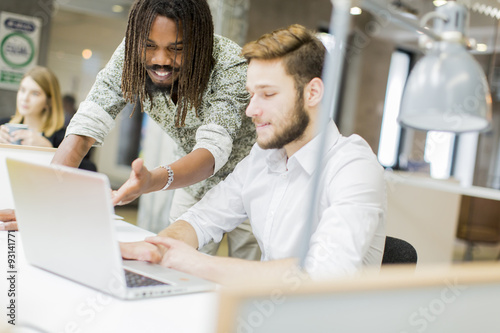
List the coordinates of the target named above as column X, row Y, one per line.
column 398, row 251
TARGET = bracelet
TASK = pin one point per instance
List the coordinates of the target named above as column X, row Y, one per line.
column 170, row 176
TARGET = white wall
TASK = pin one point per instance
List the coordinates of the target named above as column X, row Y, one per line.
column 72, row 33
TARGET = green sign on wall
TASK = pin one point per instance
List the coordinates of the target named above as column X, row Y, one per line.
column 19, row 42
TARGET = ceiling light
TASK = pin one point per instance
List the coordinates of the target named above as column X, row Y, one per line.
column 481, row 47
column 117, row 9
column 355, row 11
column 447, row 90
column 87, row 54
column 439, row 3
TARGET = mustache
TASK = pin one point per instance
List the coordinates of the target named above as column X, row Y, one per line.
column 166, row 68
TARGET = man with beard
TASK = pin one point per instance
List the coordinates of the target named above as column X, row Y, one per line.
column 273, row 185
column 189, row 81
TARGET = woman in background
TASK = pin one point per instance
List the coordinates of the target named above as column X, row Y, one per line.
column 39, row 106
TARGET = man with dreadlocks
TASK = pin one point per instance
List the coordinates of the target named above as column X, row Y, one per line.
column 189, row 81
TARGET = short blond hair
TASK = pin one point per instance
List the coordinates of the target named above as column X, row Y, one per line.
column 303, row 54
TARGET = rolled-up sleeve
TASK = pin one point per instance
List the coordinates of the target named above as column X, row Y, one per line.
column 224, row 106
column 91, row 120
column 221, row 209
column 217, row 141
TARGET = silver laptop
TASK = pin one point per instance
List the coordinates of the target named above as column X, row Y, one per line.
column 65, row 218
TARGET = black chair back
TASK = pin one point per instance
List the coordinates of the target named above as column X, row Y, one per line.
column 398, row 251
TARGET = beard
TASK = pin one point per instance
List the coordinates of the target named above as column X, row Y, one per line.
column 292, row 128
column 152, row 87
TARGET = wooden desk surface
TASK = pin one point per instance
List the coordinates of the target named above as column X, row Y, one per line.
column 437, row 299
column 27, row 148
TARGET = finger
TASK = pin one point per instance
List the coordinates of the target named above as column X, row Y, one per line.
column 8, row 226
column 123, row 195
column 131, row 189
column 137, row 251
column 127, row 250
column 116, row 198
column 7, row 137
column 4, row 132
column 159, row 240
column 120, row 201
column 7, row 215
column 19, row 134
column 138, row 165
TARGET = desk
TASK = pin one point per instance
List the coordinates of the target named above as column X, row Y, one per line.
column 54, row 304
column 425, row 211
column 460, row 299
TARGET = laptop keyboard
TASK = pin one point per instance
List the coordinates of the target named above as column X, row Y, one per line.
column 135, row 280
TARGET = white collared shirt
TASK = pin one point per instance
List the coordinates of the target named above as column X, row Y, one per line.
column 348, row 230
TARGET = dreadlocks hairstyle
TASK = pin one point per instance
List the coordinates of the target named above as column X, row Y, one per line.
column 197, row 58
column 303, row 54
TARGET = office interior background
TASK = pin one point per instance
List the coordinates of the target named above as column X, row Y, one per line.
column 79, row 36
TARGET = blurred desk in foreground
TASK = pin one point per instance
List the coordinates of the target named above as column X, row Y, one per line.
column 425, row 211
column 458, row 299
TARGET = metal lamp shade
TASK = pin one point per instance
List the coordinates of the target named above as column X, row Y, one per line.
column 446, row 91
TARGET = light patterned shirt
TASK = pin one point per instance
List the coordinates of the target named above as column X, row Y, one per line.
column 221, row 126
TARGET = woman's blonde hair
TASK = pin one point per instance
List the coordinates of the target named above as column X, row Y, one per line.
column 53, row 116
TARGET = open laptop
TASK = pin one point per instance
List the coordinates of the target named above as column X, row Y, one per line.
column 65, row 218
column 38, row 155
